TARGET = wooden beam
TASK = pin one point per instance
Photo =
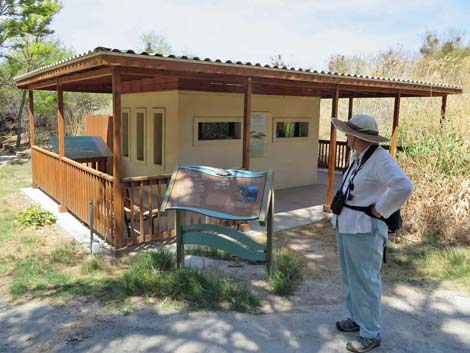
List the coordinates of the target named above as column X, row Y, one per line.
column 73, row 66
column 117, row 192
column 247, row 125
column 350, row 108
column 31, row 118
column 66, row 80
column 350, row 114
column 443, row 110
column 396, row 116
column 332, row 150
column 60, row 120
column 61, row 142
column 149, row 85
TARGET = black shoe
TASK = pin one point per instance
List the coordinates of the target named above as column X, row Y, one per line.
column 363, row 344
column 347, row 325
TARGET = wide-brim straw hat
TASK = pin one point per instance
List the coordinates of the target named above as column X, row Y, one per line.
column 361, row 126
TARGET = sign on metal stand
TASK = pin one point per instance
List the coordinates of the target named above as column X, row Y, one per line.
column 225, row 194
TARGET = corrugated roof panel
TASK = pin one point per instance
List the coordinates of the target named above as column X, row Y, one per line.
column 219, row 61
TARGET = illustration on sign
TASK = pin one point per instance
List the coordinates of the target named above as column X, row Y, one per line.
column 257, row 134
column 225, row 194
column 248, row 193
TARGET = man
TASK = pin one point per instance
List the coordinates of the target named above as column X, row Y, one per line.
column 375, row 182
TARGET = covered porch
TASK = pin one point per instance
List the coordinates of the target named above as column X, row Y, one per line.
column 126, row 210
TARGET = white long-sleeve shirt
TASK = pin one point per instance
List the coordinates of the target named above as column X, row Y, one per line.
column 381, row 182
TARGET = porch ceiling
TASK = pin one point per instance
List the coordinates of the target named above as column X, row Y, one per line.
column 91, row 72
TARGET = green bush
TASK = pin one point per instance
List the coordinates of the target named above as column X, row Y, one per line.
column 286, row 273
column 35, row 217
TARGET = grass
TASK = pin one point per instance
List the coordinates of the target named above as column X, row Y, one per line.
column 427, row 263
column 150, row 275
column 40, row 263
column 207, row 251
column 286, row 273
column 94, row 265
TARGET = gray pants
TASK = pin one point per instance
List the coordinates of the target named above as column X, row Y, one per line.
column 360, row 261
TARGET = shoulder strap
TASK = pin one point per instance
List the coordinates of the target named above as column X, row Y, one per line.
column 368, row 153
column 346, row 175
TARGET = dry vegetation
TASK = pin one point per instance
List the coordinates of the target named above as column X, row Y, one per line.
column 437, row 159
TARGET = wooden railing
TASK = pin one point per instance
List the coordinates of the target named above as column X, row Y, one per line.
column 74, row 185
column 80, row 185
column 342, row 154
column 46, row 170
column 143, row 197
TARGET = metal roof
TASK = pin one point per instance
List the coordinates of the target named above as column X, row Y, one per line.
column 103, row 50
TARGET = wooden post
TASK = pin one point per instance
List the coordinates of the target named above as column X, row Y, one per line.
column 332, row 150
column 60, row 120
column 269, row 232
column 350, row 113
column 396, row 115
column 117, row 193
column 179, row 239
column 31, row 118
column 246, row 125
column 443, row 110
column 61, row 143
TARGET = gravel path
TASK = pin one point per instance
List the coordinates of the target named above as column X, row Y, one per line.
column 414, row 321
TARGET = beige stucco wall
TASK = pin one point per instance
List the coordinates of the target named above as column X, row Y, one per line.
column 149, row 102
column 294, row 161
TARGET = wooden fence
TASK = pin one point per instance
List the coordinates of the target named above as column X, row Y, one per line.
column 143, row 197
column 74, row 185
column 342, row 154
column 82, row 184
column 46, row 171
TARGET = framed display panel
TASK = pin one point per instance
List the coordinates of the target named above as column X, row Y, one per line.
column 236, row 195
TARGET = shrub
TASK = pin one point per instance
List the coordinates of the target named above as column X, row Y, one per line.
column 35, row 217
column 286, row 272
column 94, row 264
column 68, row 254
column 154, row 274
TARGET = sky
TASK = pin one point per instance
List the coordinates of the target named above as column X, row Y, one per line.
column 305, row 32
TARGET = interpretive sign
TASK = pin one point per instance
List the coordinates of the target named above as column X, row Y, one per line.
column 82, row 147
column 219, row 193
column 257, row 134
column 225, row 195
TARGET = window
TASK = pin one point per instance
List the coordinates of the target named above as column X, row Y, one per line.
column 125, row 134
column 286, row 129
column 140, row 135
column 158, row 137
column 218, row 131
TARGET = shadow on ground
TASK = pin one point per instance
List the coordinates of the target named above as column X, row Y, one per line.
column 417, row 317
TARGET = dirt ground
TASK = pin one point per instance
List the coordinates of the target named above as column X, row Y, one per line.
column 416, row 318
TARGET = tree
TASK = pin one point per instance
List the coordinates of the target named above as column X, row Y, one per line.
column 437, row 46
column 30, row 53
column 347, row 64
column 23, row 28
column 155, row 43
column 26, row 17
